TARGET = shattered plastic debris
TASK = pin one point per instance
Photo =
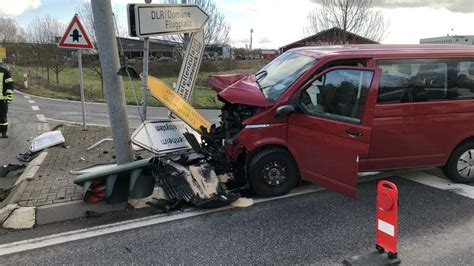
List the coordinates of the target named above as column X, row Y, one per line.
column 46, row 140
column 27, row 157
column 242, row 203
column 198, row 186
column 166, row 206
column 225, row 178
column 204, row 180
column 4, row 170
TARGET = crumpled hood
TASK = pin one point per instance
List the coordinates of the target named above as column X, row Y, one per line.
column 239, row 89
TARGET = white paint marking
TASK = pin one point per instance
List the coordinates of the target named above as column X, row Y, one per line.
column 386, row 227
column 80, row 234
column 31, row 101
column 100, row 230
column 75, row 123
column 440, row 183
column 26, row 96
column 43, row 127
column 35, row 107
column 41, row 118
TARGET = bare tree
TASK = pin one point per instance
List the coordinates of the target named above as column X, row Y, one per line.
column 355, row 16
column 84, row 10
column 216, row 29
column 44, row 32
column 10, row 31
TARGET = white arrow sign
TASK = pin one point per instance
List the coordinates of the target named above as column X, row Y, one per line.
column 153, row 20
column 190, row 67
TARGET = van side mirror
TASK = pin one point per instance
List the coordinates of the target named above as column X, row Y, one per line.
column 284, row 111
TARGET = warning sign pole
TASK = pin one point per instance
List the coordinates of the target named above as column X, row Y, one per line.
column 83, row 101
column 76, row 37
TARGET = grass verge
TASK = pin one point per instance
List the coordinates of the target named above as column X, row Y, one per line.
column 203, row 96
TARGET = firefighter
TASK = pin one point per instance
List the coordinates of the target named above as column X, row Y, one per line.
column 6, row 97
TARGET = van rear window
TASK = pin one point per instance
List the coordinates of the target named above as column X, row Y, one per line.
column 423, row 80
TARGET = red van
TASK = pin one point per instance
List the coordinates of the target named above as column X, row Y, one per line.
column 323, row 114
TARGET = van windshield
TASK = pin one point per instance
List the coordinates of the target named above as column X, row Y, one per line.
column 276, row 77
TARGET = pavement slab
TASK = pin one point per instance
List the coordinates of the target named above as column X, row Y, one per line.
column 21, row 218
column 52, row 182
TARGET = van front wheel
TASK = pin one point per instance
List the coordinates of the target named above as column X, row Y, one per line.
column 460, row 166
column 272, row 172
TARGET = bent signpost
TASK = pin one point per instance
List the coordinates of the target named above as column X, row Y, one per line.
column 164, row 19
column 190, row 67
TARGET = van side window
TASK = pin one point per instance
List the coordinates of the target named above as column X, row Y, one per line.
column 425, row 80
column 339, row 94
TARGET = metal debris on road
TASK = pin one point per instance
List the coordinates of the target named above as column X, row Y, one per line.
column 4, row 170
column 27, row 157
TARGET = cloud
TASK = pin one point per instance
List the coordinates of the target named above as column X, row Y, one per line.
column 15, row 8
column 463, row 6
column 265, row 40
column 124, row 2
column 237, row 6
column 274, row 22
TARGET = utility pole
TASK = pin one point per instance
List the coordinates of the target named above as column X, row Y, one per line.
column 109, row 60
column 251, row 33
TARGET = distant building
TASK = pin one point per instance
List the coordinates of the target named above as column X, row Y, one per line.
column 327, row 37
column 133, row 48
column 454, row 39
column 218, row 51
column 269, row 54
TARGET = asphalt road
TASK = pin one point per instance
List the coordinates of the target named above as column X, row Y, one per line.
column 23, row 126
column 435, row 227
column 97, row 113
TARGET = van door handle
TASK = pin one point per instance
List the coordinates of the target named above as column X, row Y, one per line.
column 354, row 133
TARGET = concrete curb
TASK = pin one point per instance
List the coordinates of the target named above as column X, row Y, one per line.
column 32, row 168
column 60, row 211
column 15, row 194
column 22, row 182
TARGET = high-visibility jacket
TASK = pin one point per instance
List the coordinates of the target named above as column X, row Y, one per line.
column 6, row 85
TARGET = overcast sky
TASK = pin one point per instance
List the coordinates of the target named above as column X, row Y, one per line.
column 279, row 22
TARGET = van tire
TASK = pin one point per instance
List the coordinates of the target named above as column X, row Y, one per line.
column 450, row 170
column 272, row 172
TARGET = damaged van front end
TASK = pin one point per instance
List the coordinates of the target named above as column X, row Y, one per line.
column 225, row 144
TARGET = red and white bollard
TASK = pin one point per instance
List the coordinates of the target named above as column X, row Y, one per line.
column 387, row 217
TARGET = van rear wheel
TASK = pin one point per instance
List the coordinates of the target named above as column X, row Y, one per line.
column 272, row 172
column 460, row 166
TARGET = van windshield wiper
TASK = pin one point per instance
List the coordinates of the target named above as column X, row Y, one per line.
column 261, row 74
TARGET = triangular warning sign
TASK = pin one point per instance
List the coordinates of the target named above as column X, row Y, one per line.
column 75, row 36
